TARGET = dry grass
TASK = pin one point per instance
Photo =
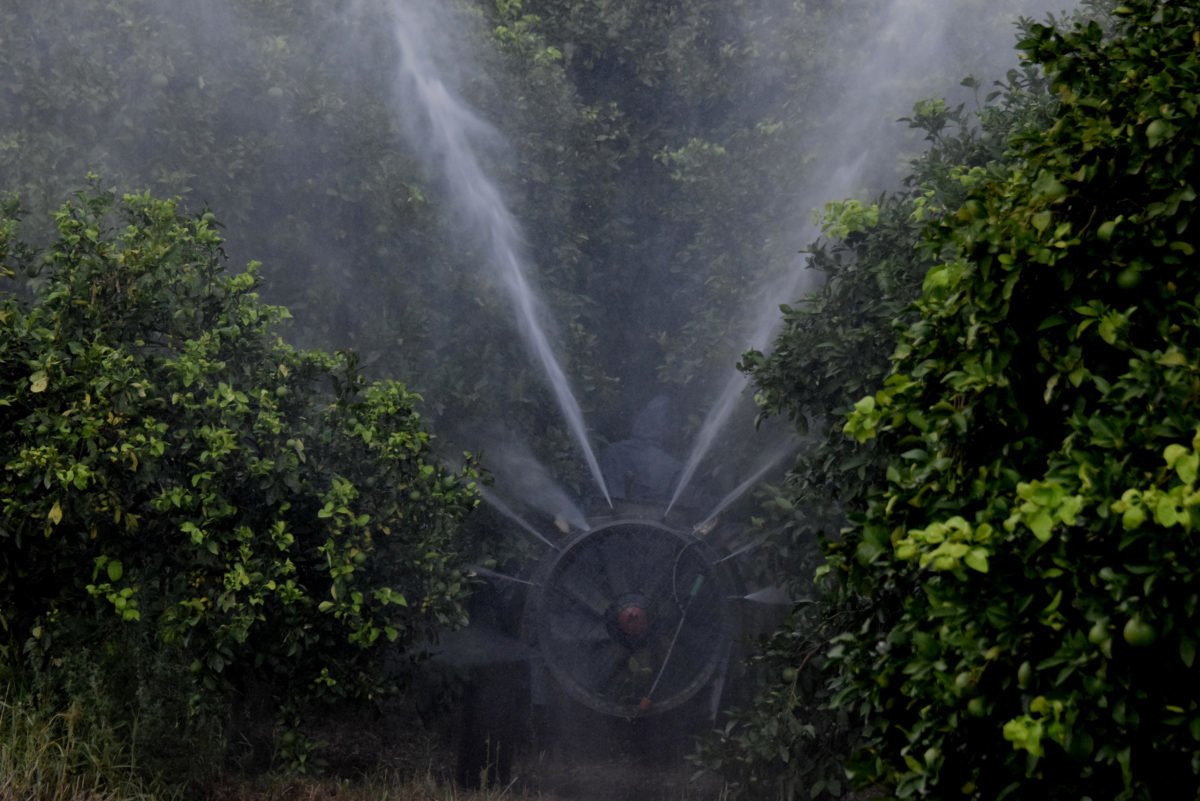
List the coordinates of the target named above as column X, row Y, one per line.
column 379, row 788
column 620, row 779
column 43, row 759
column 578, row 783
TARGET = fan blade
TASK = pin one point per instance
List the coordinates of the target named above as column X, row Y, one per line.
column 607, row 666
column 617, row 554
column 658, row 564
column 659, row 592
column 585, row 597
column 593, row 634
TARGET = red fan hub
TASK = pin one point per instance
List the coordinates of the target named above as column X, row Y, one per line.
column 633, row 620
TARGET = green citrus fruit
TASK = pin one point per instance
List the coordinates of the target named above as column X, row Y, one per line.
column 1129, row 278
column 1138, row 632
column 1024, row 673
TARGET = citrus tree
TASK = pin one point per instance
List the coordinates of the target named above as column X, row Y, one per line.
column 835, row 346
column 1022, row 581
column 177, row 477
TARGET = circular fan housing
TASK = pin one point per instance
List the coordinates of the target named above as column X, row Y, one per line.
column 633, row 618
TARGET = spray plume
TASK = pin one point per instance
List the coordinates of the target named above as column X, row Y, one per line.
column 519, row 474
column 501, row 507
column 772, row 458
column 450, row 139
column 905, row 46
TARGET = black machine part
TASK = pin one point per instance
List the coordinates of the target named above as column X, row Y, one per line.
column 633, row 618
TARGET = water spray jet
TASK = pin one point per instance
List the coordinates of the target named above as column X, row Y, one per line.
column 487, row 571
column 722, row 410
column 630, row 616
column 453, row 133
column 772, row 459
column 501, row 507
column 757, row 543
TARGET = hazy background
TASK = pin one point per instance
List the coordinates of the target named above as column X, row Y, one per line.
column 650, row 167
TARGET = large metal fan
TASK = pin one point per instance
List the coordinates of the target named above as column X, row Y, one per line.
column 632, row 617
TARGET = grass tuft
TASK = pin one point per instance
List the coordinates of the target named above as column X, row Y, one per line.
column 43, row 758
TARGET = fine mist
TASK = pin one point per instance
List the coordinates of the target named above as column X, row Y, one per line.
column 450, row 137
column 603, row 226
column 542, row 216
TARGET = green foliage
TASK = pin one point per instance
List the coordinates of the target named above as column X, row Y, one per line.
column 654, row 150
column 836, row 345
column 670, row 158
column 179, row 479
column 655, row 155
column 1026, row 569
column 837, row 342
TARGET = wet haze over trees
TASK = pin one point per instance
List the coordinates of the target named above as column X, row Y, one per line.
column 660, row 160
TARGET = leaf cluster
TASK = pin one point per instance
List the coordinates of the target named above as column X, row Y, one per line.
column 263, row 514
column 1027, row 563
column 836, row 344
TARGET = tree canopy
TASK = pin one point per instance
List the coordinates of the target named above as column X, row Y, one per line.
column 1015, row 592
column 655, row 153
column 999, row 363
column 180, row 480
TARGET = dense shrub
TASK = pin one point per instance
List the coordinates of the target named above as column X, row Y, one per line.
column 182, row 488
column 1035, row 534
column 836, row 345
column 1014, row 609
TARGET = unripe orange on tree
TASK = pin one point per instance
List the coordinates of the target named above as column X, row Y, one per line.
column 1138, row 632
column 1024, row 673
column 1129, row 278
